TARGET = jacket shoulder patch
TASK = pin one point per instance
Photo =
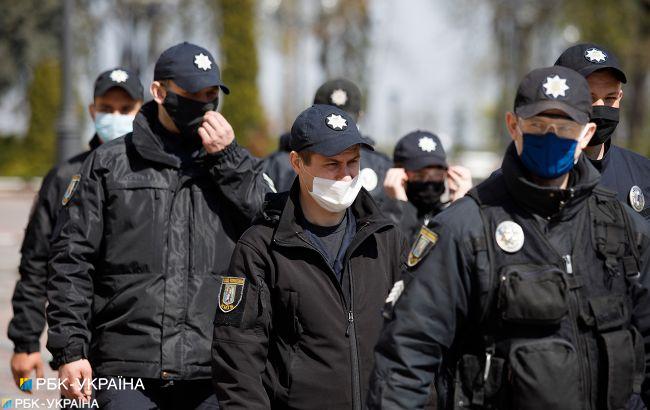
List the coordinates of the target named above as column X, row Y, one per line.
column 425, row 241
column 70, row 190
column 231, row 293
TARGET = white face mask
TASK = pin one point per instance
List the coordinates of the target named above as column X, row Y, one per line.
column 335, row 196
column 111, row 126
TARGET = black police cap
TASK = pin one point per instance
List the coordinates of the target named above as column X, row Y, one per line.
column 554, row 87
column 119, row 77
column 340, row 93
column 325, row 130
column 191, row 67
column 419, row 149
column 587, row 58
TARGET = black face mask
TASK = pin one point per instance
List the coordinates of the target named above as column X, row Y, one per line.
column 425, row 196
column 187, row 114
column 606, row 119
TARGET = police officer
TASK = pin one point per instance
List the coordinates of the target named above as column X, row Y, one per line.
column 532, row 291
column 623, row 171
column 299, row 307
column 420, row 180
column 117, row 98
column 147, row 226
column 343, row 94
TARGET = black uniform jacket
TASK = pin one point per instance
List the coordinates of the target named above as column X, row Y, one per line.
column 621, row 169
column 143, row 239
column 30, row 294
column 441, row 301
column 297, row 338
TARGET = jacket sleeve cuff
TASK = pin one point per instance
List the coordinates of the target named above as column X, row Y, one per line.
column 67, row 355
column 226, row 155
column 27, row 346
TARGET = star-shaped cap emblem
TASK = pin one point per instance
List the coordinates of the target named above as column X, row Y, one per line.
column 595, row 55
column 427, row 144
column 339, row 97
column 119, row 76
column 555, row 86
column 203, row 62
column 336, row 122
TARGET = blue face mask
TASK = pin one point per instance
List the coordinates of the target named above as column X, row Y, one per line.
column 547, row 155
column 111, row 126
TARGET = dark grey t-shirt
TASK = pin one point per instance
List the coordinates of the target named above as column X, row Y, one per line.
column 327, row 239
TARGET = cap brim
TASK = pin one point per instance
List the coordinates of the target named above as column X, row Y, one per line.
column 335, row 146
column 100, row 91
column 586, row 71
column 413, row 164
column 193, row 84
column 530, row 110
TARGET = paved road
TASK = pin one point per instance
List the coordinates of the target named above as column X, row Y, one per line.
column 14, row 211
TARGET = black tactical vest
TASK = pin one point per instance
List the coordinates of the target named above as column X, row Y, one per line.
column 554, row 330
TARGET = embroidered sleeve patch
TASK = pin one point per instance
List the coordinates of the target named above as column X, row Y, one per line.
column 425, row 241
column 231, row 294
column 70, row 190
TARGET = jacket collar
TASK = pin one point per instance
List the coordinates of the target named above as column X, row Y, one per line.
column 601, row 164
column 549, row 201
column 364, row 209
column 94, row 142
column 146, row 141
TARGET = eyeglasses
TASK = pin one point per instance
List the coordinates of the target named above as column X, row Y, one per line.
column 541, row 125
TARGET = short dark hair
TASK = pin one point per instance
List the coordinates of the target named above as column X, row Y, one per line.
column 305, row 156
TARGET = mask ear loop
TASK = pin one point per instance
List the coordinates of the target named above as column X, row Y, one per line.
column 304, row 168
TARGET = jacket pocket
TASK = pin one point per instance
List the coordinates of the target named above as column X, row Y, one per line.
column 624, row 371
column 532, row 297
column 545, row 375
column 133, row 237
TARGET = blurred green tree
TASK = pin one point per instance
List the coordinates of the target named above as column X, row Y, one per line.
column 35, row 154
column 242, row 107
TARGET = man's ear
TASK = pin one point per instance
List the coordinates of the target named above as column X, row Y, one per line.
column 294, row 160
column 158, row 92
column 511, row 125
column 92, row 111
column 513, row 130
column 591, row 130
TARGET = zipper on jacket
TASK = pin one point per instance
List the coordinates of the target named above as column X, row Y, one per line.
column 177, row 188
column 350, row 321
column 582, row 347
column 354, row 348
column 350, row 330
